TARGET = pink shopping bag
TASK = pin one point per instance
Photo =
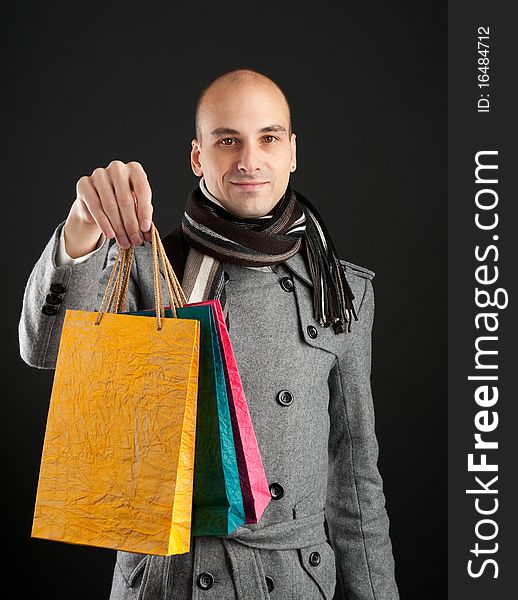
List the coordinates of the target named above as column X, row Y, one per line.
column 254, row 485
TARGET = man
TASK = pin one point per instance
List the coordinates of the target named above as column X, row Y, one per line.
column 300, row 322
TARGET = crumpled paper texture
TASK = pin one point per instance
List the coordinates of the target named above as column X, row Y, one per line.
column 217, row 499
column 118, row 456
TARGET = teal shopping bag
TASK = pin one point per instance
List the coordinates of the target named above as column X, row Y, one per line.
column 217, row 499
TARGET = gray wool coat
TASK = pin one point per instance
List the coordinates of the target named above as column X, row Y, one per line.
column 326, row 529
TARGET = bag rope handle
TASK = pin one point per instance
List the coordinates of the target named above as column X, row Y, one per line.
column 115, row 295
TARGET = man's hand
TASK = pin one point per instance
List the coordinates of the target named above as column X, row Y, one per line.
column 116, row 202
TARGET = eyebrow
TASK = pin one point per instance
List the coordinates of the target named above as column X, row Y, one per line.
column 228, row 131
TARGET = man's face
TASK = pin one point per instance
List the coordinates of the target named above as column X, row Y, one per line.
column 245, row 154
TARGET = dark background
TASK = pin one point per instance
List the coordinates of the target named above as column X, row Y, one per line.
column 367, row 88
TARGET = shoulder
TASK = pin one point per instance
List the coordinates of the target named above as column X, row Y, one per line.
column 360, row 281
column 352, row 269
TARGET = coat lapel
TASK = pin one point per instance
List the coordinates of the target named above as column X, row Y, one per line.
column 297, row 265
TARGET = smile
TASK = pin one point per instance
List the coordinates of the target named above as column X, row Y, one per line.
column 250, row 186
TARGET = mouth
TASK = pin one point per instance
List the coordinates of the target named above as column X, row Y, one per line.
column 255, row 185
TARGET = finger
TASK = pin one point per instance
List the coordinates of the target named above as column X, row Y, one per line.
column 87, row 194
column 104, row 188
column 125, row 202
column 142, row 192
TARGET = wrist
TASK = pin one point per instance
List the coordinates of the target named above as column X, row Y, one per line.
column 80, row 238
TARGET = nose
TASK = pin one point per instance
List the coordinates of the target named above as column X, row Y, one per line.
column 248, row 161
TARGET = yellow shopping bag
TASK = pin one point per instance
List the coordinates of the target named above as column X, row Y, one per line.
column 118, row 457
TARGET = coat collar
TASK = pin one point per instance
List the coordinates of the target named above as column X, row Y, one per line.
column 298, row 265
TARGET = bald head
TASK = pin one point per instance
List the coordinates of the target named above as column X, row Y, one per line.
column 227, row 85
column 244, row 147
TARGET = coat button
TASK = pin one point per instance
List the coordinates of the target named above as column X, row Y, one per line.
column 287, row 284
column 49, row 310
column 285, row 397
column 312, row 331
column 270, row 584
column 314, row 559
column 205, row 581
column 53, row 299
column 57, row 288
column 276, row 491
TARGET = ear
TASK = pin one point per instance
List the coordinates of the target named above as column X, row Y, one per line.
column 195, row 158
column 293, row 143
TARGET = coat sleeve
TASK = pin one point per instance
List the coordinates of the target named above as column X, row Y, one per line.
column 83, row 286
column 357, row 521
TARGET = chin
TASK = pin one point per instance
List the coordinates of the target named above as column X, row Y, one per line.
column 250, row 204
column 252, row 214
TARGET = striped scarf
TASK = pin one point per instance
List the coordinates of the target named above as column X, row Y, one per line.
column 214, row 236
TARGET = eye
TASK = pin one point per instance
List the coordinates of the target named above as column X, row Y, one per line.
column 223, row 142
column 269, row 138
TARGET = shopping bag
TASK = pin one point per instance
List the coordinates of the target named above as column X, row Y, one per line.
column 217, row 499
column 117, row 464
column 254, row 484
